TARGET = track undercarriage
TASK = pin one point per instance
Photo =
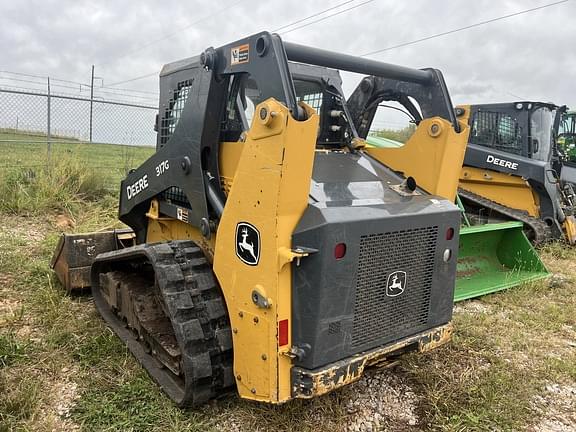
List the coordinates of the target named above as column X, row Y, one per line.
column 536, row 230
column 163, row 301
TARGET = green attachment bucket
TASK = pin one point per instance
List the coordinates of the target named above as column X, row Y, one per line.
column 494, row 257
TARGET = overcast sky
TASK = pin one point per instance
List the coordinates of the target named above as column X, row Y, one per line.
column 531, row 56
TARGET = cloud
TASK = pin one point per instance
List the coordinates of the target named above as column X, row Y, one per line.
column 528, row 55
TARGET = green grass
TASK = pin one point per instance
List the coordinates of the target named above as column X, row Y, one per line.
column 487, row 378
column 76, row 172
column 507, row 347
column 11, row 350
column 109, row 161
column 19, row 401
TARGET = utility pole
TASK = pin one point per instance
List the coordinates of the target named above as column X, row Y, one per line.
column 91, row 101
column 48, row 126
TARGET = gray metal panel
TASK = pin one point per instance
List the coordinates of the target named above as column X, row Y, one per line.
column 372, row 222
column 353, row 179
column 197, row 129
column 180, row 65
column 568, row 173
column 477, row 156
column 538, row 174
column 305, row 71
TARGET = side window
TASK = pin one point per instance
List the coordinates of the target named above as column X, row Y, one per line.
column 392, row 125
column 497, row 130
column 312, row 99
column 541, row 132
column 249, row 109
column 309, row 92
column 174, row 112
column 252, row 97
column 507, row 129
column 243, row 96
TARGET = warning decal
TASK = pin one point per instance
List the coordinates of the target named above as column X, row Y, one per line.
column 239, row 54
column 182, row 214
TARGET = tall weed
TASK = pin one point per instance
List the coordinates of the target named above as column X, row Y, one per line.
column 62, row 185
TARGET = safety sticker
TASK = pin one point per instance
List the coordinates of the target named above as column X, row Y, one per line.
column 182, row 214
column 239, row 54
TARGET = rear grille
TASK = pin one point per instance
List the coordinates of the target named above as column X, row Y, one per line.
column 379, row 318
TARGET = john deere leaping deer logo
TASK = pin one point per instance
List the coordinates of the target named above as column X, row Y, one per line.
column 396, row 283
column 247, row 243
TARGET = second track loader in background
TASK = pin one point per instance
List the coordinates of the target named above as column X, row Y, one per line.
column 492, row 256
column 514, row 169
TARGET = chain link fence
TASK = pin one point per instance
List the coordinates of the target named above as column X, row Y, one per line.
column 109, row 129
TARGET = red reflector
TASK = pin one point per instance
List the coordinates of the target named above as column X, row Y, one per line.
column 449, row 233
column 283, row 332
column 340, row 250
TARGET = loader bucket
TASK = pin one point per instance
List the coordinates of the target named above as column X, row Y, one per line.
column 494, row 257
column 75, row 253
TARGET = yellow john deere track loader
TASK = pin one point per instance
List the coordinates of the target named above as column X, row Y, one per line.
column 272, row 253
column 492, row 256
column 514, row 170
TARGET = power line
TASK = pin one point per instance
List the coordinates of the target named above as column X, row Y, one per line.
column 41, row 82
column 328, row 16
column 43, row 77
column 130, row 90
column 279, row 28
column 133, row 79
column 456, row 30
column 391, row 47
column 175, row 33
column 217, row 12
column 312, row 16
column 122, row 94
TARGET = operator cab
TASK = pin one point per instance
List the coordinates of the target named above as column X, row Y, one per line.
column 527, row 129
column 316, row 86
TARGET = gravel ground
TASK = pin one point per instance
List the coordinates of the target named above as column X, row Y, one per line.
column 381, row 398
column 554, row 406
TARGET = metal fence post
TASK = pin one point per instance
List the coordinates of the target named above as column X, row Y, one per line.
column 91, row 101
column 48, row 126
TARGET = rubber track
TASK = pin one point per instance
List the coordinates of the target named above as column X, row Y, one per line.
column 196, row 309
column 538, row 227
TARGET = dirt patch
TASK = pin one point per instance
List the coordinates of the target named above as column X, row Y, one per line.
column 381, row 399
column 31, row 229
column 66, row 394
column 6, row 280
column 472, row 307
column 564, row 270
column 557, row 408
column 62, row 394
column 9, row 307
column 64, row 222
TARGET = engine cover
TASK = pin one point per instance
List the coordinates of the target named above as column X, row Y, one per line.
column 382, row 271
